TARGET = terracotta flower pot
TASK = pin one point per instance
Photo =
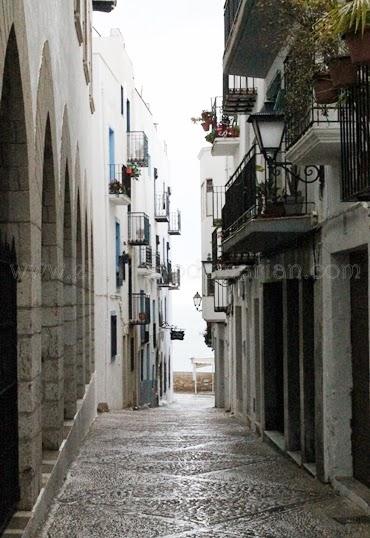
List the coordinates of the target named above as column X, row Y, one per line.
column 206, row 126
column 325, row 93
column 343, row 73
column 359, row 47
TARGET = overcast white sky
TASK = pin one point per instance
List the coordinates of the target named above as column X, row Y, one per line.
column 176, row 47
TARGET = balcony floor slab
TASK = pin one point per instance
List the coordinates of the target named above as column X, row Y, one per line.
column 223, row 146
column 267, row 234
column 318, row 146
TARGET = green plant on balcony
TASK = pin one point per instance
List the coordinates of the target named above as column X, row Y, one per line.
column 211, row 136
column 115, row 187
column 133, row 170
column 351, row 20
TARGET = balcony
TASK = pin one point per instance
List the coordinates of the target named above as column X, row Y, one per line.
column 355, row 136
column 139, row 309
column 225, row 131
column 165, row 276
column 313, row 131
column 119, row 184
column 224, row 262
column 175, row 279
column 263, row 215
column 158, row 263
column 252, row 36
column 145, row 259
column 162, row 207
column 138, row 148
column 138, row 229
column 104, row 5
column 239, row 95
column 221, row 296
column 218, row 202
column 174, row 227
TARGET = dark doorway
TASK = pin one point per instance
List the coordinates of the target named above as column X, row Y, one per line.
column 292, row 372
column 273, row 356
column 9, row 487
column 360, row 368
column 308, row 390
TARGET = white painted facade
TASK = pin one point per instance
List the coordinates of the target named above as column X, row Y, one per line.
column 317, row 310
column 136, row 364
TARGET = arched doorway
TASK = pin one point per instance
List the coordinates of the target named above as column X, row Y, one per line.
column 81, row 377
column 69, row 307
column 51, row 295
column 14, row 237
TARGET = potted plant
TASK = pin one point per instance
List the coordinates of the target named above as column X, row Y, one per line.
column 133, row 170
column 352, row 21
column 115, row 187
column 211, row 136
column 292, row 197
column 324, row 90
column 206, row 119
column 342, row 71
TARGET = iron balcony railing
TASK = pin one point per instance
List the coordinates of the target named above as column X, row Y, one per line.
column 175, row 279
column 145, row 257
column 138, row 229
column 175, row 223
column 307, row 113
column 119, row 180
column 239, row 94
column 221, row 260
column 218, row 202
column 355, row 139
column 138, row 148
column 139, row 309
column 221, row 295
column 223, row 125
column 231, row 11
column 157, row 262
column 274, row 194
column 165, row 279
column 162, row 207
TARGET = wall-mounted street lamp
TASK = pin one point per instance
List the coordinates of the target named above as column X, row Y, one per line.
column 197, row 300
column 208, row 265
column 269, row 128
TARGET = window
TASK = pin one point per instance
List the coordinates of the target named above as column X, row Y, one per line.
column 128, row 116
column 113, row 335
column 111, row 154
column 118, row 255
column 209, row 197
column 122, row 102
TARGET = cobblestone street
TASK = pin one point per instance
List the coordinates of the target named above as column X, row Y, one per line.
column 192, row 471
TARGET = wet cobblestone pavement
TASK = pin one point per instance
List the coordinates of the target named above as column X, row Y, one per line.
column 190, row 471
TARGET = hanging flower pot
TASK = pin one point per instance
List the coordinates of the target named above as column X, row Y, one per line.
column 343, row 73
column 206, row 126
column 129, row 171
column 359, row 46
column 325, row 93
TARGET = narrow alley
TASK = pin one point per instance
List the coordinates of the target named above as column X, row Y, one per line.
column 190, row 470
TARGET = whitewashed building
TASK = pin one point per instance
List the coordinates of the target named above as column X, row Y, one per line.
column 294, row 251
column 134, row 275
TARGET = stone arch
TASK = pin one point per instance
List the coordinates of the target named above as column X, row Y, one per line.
column 69, row 274
column 47, row 176
column 16, row 144
column 69, row 304
column 51, row 301
column 87, row 327
column 81, row 377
